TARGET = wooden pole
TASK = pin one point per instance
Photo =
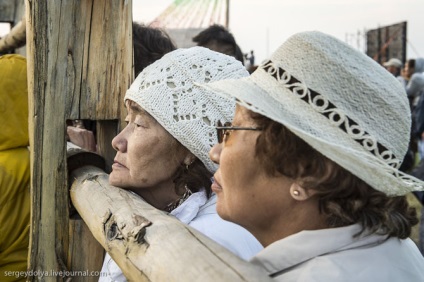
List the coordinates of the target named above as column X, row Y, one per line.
column 79, row 66
column 227, row 15
column 148, row 244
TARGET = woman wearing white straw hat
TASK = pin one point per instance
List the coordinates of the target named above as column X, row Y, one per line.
column 310, row 165
column 162, row 153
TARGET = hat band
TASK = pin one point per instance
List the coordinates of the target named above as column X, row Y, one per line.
column 336, row 116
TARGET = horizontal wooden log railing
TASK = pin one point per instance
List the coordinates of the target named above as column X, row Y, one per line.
column 148, row 244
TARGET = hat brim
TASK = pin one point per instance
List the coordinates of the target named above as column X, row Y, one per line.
column 257, row 93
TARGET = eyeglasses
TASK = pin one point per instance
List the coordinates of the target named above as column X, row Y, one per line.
column 224, row 131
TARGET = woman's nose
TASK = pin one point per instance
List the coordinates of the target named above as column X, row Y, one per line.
column 215, row 153
column 119, row 142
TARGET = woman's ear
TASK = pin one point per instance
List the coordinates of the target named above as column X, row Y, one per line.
column 299, row 193
column 189, row 159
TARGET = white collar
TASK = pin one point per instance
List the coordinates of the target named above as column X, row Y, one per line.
column 189, row 209
column 305, row 245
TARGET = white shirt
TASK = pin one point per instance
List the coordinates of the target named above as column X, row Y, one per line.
column 334, row 255
column 200, row 213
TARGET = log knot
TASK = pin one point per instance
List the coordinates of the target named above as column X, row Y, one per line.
column 116, row 229
column 113, row 232
column 139, row 231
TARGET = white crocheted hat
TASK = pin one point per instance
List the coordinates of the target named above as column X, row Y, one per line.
column 339, row 101
column 166, row 90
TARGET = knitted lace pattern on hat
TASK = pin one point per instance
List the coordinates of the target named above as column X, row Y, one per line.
column 168, row 91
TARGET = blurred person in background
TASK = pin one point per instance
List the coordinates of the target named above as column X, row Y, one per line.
column 15, row 198
column 394, row 66
column 219, row 39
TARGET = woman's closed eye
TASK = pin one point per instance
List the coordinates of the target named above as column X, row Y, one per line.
column 134, row 123
column 141, row 121
column 138, row 124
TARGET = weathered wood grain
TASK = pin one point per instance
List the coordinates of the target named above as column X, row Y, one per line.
column 106, row 131
column 148, row 244
column 79, row 64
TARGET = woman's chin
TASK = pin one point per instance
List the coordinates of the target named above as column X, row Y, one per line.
column 221, row 211
column 114, row 180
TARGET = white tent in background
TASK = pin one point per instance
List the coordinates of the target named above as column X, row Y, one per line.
column 184, row 19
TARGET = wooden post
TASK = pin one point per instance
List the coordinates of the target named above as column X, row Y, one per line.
column 79, row 65
column 148, row 244
column 227, row 15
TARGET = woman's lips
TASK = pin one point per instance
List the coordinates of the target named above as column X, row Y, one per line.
column 117, row 164
column 216, row 187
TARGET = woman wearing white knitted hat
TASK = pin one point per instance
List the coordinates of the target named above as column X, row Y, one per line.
column 162, row 153
column 310, row 165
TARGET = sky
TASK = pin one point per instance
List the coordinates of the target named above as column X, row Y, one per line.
column 263, row 25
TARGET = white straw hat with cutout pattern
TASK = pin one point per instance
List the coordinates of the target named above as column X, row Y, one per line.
column 339, row 101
